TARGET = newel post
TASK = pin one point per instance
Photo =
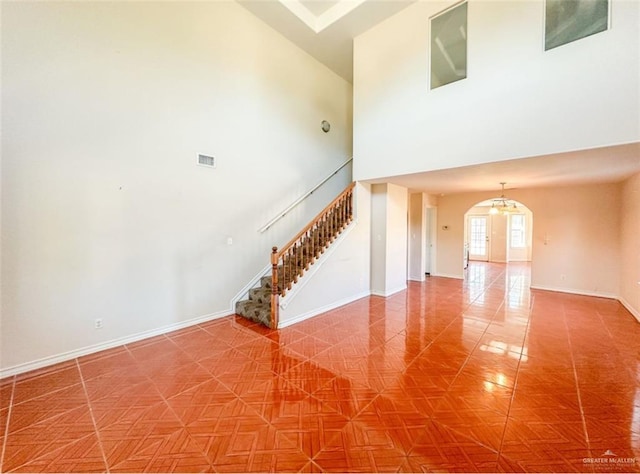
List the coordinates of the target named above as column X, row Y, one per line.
column 274, row 288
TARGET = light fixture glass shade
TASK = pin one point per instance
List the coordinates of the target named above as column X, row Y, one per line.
column 502, row 205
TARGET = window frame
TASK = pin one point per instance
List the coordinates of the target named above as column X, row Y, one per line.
column 522, row 240
column 431, row 40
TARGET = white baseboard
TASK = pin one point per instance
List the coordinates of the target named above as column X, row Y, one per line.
column 634, row 312
column 70, row 355
column 631, row 309
column 445, row 275
column 574, row 291
column 420, row 278
column 386, row 294
column 324, row 309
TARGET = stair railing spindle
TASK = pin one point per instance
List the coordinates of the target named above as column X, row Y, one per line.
column 305, row 256
column 300, row 252
column 344, row 210
column 294, row 269
column 334, row 224
column 274, row 287
column 307, row 250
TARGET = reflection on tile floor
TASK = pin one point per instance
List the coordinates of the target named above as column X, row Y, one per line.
column 480, row 375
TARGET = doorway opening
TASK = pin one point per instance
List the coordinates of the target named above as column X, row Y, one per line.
column 499, row 237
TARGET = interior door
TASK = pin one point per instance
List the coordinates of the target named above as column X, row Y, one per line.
column 478, row 228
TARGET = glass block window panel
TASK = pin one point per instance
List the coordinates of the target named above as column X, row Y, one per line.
column 571, row 20
column 449, row 46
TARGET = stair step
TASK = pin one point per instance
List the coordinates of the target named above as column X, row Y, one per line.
column 258, row 312
column 260, row 295
column 265, row 281
column 258, row 306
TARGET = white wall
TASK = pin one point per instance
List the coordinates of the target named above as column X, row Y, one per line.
column 498, row 250
column 105, row 213
column 630, row 245
column 417, row 236
column 389, row 205
column 575, row 236
column 396, row 278
column 340, row 275
column 575, row 239
column 378, row 238
column 517, row 100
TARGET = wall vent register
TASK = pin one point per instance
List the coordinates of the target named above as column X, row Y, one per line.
column 206, row 160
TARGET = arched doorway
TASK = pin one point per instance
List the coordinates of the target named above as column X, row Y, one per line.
column 500, row 234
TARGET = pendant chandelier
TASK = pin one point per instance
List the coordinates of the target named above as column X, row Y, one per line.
column 502, row 205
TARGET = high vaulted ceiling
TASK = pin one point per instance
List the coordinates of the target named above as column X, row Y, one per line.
column 326, row 28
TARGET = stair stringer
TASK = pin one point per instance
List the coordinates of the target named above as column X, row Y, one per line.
column 291, row 311
column 243, row 294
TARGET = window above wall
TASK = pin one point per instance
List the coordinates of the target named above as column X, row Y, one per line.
column 568, row 21
column 448, row 51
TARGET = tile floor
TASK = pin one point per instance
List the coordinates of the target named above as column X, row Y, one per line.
column 481, row 375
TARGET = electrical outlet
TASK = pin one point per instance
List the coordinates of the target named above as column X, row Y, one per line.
column 98, row 323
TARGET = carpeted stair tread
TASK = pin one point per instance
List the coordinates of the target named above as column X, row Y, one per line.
column 258, row 312
column 258, row 306
column 260, row 295
column 265, row 282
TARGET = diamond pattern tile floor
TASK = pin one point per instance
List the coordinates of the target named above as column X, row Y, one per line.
column 481, row 375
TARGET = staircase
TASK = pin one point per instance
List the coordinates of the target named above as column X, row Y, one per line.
column 294, row 259
column 258, row 307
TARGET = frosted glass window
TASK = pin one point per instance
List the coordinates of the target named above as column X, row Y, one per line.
column 449, row 46
column 571, row 20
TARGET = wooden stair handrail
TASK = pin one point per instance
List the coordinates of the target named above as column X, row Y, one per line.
column 339, row 211
column 302, row 198
column 313, row 221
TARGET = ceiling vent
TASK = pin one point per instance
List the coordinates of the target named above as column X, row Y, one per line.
column 206, row 160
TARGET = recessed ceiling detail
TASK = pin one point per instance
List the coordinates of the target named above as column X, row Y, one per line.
column 325, row 28
column 319, row 14
column 318, row 7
